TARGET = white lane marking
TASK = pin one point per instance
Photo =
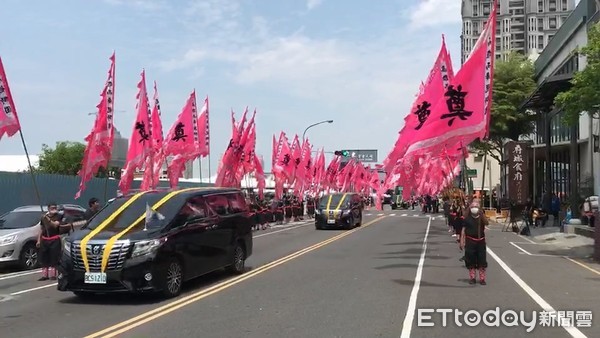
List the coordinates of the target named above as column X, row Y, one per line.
column 369, row 214
column 573, row 331
column 392, row 214
column 530, row 254
column 525, row 238
column 380, row 214
column 415, row 215
column 33, row 289
column 523, row 250
column 19, row 274
column 404, row 215
column 282, row 230
column 412, row 303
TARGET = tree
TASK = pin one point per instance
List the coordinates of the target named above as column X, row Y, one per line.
column 64, row 159
column 513, row 83
column 584, row 94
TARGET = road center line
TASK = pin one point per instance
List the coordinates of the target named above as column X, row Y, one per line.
column 412, row 303
column 573, row 331
column 134, row 322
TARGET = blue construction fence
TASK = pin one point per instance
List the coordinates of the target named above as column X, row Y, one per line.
column 16, row 189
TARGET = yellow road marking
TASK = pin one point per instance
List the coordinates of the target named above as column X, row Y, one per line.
column 113, row 239
column 134, row 322
column 585, row 266
column 99, row 228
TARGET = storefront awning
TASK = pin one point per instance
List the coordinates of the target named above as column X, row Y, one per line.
column 543, row 96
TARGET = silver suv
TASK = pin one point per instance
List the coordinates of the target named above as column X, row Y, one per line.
column 19, row 231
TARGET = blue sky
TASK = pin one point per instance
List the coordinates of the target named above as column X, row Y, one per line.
column 297, row 61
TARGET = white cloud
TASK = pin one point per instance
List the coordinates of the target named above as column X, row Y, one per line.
column 364, row 85
column 295, row 58
column 429, row 13
column 150, row 5
column 312, row 4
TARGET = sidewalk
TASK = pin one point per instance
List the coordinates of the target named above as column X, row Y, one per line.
column 557, row 243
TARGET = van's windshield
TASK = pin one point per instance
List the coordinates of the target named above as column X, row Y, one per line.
column 132, row 213
column 335, row 201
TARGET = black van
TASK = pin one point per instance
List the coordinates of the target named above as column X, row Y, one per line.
column 156, row 240
column 339, row 210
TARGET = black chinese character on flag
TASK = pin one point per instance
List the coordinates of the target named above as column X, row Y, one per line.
column 286, row 160
column 422, row 113
column 179, row 132
column 141, row 128
column 456, row 105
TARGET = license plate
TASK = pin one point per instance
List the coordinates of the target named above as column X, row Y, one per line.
column 95, row 278
column 330, row 221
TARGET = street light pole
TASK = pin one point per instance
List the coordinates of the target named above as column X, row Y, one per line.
column 313, row 125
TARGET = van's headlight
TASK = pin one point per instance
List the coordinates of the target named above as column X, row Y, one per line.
column 9, row 239
column 67, row 248
column 145, row 247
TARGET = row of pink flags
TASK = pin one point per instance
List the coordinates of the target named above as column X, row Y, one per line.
column 187, row 139
column 450, row 112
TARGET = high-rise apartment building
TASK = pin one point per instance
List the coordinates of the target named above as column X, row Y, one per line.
column 523, row 26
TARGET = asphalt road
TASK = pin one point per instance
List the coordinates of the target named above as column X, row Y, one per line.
column 369, row 282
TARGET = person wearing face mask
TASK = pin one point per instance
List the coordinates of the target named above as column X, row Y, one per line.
column 472, row 241
column 49, row 243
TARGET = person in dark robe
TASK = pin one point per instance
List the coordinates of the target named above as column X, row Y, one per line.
column 310, row 207
column 287, row 208
column 49, row 242
column 93, row 208
column 472, row 241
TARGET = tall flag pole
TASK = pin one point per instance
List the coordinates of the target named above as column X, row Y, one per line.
column 10, row 125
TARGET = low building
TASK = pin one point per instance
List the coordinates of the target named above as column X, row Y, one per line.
column 483, row 172
column 564, row 156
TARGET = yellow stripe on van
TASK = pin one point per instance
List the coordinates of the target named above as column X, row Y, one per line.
column 329, row 202
column 99, row 228
column 341, row 202
column 113, row 239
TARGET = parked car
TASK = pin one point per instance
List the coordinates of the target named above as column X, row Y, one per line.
column 339, row 210
column 19, row 231
column 155, row 241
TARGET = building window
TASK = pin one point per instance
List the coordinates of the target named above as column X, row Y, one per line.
column 564, row 5
column 486, row 9
column 540, row 7
column 552, row 23
column 540, row 24
column 552, row 5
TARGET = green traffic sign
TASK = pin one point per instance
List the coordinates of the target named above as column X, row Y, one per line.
column 472, row 172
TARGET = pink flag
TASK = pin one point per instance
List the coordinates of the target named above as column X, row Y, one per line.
column 153, row 166
column 100, row 140
column 462, row 114
column 183, row 135
column 9, row 121
column 204, row 130
column 182, row 139
column 140, row 143
column 440, row 76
